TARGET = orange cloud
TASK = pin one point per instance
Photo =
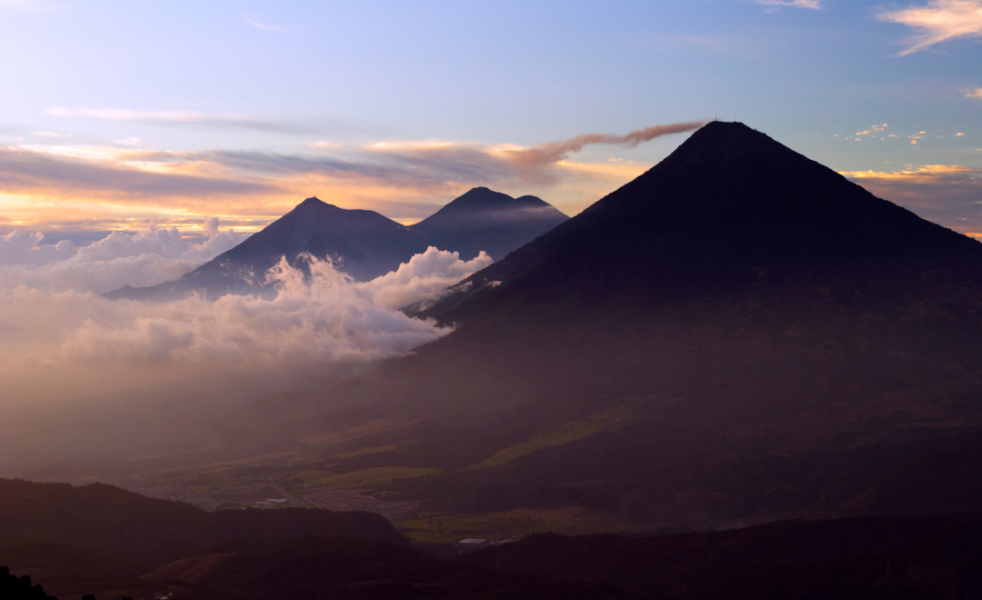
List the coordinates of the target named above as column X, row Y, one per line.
column 75, row 186
column 945, row 194
column 939, row 21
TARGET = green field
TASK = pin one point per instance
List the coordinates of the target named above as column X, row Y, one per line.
column 438, row 528
column 606, row 420
column 371, row 477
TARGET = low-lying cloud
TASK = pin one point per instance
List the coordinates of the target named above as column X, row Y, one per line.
column 424, row 279
column 49, row 332
column 141, row 376
column 145, row 258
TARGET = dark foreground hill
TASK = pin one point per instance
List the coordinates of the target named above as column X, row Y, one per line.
column 930, row 557
column 104, row 541
column 20, row 588
column 923, row 557
column 740, row 333
column 338, row 567
column 362, row 243
column 137, row 533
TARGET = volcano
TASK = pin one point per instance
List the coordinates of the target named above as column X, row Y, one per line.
column 483, row 219
column 739, row 334
column 730, row 215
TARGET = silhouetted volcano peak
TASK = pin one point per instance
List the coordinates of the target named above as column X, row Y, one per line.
column 484, row 199
column 731, row 208
column 363, row 243
column 311, row 202
column 482, row 219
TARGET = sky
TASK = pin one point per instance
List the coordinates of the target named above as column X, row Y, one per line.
column 118, row 114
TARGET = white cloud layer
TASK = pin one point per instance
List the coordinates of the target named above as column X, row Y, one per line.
column 146, row 258
column 327, row 317
column 939, row 21
column 424, row 279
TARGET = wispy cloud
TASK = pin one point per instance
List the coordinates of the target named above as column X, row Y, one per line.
column 266, row 27
column 187, row 118
column 812, row 4
column 54, row 135
column 531, row 161
column 974, row 93
column 939, row 21
column 402, row 179
column 24, row 169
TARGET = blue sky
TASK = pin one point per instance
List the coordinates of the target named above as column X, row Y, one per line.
column 241, row 109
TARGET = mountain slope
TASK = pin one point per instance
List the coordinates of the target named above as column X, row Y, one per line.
column 486, row 220
column 363, row 243
column 775, row 341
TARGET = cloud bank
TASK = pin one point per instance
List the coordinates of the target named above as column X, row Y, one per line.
column 87, row 378
column 959, row 189
column 939, row 21
column 145, row 258
column 50, row 331
column 256, row 185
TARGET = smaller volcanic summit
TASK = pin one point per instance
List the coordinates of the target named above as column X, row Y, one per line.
column 483, row 219
column 362, row 243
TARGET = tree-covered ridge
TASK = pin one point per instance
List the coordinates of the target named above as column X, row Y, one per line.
column 20, row 588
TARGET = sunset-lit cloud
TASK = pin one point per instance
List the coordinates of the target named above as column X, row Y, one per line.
column 405, row 180
column 974, row 93
column 945, row 194
column 103, row 172
column 198, row 120
column 939, row 21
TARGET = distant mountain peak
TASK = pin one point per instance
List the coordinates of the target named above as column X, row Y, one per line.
column 483, row 219
column 313, row 204
column 366, row 243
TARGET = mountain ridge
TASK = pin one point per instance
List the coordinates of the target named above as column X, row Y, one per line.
column 363, row 243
